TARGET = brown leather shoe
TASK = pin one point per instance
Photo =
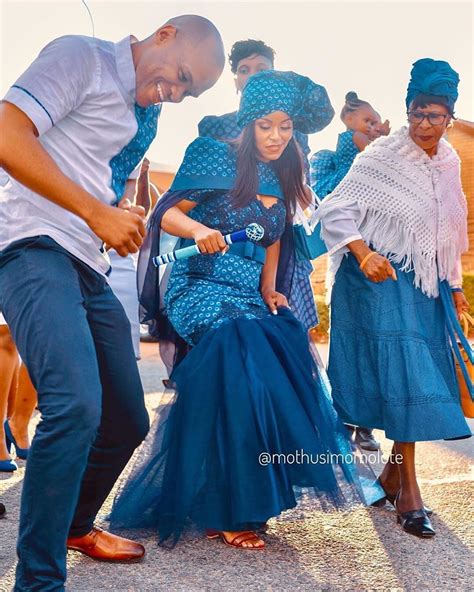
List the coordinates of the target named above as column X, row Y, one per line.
column 105, row 546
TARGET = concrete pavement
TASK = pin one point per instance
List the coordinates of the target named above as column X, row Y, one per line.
column 306, row 549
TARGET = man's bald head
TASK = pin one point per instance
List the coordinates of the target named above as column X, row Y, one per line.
column 184, row 57
column 199, row 31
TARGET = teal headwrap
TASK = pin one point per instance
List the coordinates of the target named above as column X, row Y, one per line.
column 433, row 77
column 306, row 102
column 209, row 164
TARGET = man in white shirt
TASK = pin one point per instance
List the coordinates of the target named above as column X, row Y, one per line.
column 75, row 127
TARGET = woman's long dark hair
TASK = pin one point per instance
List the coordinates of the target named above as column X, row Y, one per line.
column 289, row 169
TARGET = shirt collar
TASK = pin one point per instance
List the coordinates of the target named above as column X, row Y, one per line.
column 125, row 66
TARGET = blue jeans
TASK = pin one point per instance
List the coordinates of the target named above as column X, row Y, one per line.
column 74, row 336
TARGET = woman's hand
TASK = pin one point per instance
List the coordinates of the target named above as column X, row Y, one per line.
column 209, row 240
column 378, row 269
column 460, row 302
column 273, row 299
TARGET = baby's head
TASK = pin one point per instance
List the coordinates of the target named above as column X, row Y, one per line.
column 376, row 131
column 359, row 115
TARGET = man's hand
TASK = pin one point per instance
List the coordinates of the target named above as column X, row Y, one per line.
column 126, row 204
column 119, row 228
column 273, row 299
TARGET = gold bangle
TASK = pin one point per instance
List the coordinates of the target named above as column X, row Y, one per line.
column 365, row 259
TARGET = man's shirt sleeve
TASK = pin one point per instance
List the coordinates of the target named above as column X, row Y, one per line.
column 57, row 82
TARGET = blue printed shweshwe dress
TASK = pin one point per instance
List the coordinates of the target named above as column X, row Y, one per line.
column 205, row 291
column 328, row 167
column 300, row 297
column 248, row 386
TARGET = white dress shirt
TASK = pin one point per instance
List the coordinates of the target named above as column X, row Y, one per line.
column 80, row 95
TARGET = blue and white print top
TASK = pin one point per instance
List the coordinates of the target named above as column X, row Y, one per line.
column 328, row 168
column 80, row 95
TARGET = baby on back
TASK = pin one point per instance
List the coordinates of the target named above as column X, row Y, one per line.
column 364, row 125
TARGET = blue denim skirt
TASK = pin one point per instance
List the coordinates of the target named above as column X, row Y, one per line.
column 390, row 362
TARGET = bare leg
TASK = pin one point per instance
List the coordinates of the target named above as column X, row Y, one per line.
column 13, row 387
column 410, row 496
column 8, row 363
column 243, row 539
column 25, row 403
column 390, row 476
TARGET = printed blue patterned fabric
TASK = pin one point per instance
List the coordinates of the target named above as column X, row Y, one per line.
column 433, row 77
column 207, row 290
column 209, row 164
column 306, row 102
column 301, row 297
column 128, row 158
column 225, row 128
column 328, row 168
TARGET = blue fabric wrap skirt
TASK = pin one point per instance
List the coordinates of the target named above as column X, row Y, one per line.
column 248, row 387
column 390, row 362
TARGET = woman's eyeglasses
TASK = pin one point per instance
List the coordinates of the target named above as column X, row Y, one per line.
column 434, row 118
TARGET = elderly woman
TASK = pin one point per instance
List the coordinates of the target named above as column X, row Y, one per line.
column 395, row 228
column 249, row 386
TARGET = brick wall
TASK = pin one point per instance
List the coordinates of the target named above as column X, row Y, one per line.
column 461, row 136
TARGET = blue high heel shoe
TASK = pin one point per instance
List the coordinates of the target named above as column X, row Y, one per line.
column 8, row 466
column 20, row 452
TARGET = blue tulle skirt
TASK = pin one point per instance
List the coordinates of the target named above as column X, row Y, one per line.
column 249, row 388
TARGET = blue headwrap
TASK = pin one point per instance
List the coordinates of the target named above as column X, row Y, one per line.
column 209, row 164
column 306, row 102
column 433, row 77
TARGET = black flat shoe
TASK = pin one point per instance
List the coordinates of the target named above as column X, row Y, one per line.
column 416, row 522
column 391, row 499
column 366, row 439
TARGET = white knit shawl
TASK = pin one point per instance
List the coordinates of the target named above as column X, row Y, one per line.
column 412, row 207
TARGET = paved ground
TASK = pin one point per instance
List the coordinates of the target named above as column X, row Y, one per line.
column 306, row 549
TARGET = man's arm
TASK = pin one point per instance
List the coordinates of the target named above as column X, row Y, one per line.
column 25, row 159
column 143, row 187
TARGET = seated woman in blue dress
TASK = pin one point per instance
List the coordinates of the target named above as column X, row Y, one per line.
column 249, row 385
column 247, row 58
